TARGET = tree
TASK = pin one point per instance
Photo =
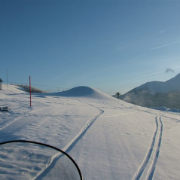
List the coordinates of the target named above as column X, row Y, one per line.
column 118, row 94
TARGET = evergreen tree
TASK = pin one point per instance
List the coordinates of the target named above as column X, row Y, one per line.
column 118, row 95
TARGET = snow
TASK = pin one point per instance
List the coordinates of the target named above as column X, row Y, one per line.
column 108, row 138
column 162, row 87
column 82, row 91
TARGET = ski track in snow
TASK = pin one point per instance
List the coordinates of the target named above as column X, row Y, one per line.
column 152, row 169
column 152, row 148
column 4, row 124
column 69, row 146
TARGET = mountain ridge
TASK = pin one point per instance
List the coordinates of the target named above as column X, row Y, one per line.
column 156, row 94
column 154, row 87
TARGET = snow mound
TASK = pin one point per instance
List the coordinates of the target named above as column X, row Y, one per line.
column 83, row 91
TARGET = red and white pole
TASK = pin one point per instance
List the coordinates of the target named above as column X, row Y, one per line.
column 30, row 89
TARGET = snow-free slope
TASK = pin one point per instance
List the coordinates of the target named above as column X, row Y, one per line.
column 108, row 138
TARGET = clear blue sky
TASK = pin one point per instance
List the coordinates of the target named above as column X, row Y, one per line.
column 109, row 45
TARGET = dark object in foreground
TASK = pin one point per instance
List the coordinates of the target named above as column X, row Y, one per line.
column 24, row 160
column 5, row 108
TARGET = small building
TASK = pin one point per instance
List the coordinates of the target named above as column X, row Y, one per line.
column 1, row 83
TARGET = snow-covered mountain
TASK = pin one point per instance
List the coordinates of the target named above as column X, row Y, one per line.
column 162, row 87
column 156, row 94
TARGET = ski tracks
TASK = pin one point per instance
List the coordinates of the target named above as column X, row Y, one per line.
column 153, row 149
column 69, row 146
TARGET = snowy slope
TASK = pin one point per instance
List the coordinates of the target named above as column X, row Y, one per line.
column 108, row 138
column 162, row 87
column 82, row 91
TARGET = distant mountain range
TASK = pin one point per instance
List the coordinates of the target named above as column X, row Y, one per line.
column 156, row 94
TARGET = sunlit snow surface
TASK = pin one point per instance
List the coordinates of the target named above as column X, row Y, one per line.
column 108, row 138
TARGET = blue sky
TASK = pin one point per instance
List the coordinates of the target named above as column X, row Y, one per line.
column 109, row 45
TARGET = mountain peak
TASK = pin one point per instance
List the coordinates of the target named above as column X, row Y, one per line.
column 176, row 78
column 162, row 87
column 156, row 94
